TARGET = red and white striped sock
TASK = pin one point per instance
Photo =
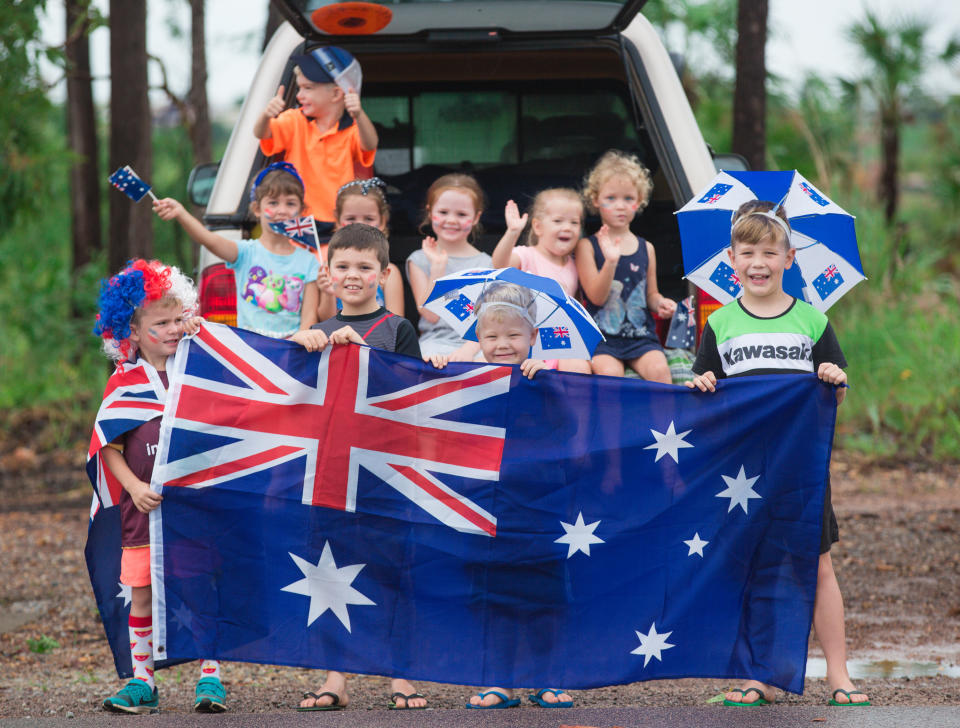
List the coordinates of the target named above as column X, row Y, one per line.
column 210, row 668
column 141, row 648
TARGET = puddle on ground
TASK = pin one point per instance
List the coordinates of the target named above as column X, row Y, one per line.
column 862, row 669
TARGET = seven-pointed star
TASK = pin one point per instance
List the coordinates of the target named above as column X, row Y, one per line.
column 182, row 617
column 651, row 644
column 327, row 586
column 125, row 593
column 579, row 536
column 739, row 490
column 696, row 545
column 668, row 443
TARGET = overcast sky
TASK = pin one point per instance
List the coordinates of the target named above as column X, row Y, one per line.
column 807, row 35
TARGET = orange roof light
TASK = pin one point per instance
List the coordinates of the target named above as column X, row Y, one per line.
column 352, row 18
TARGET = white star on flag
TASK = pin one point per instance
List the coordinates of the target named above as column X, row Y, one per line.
column 668, row 443
column 652, row 644
column 125, row 593
column 182, row 617
column 328, row 586
column 739, row 490
column 579, row 536
column 696, row 545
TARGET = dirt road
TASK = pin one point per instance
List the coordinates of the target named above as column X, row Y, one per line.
column 898, row 563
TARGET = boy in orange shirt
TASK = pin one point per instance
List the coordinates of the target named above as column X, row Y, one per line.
column 329, row 139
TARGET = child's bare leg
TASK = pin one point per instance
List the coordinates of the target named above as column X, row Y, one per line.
column 653, row 367
column 607, row 365
column 830, row 630
column 405, row 687
column 141, row 601
column 580, row 366
column 335, row 683
column 490, row 699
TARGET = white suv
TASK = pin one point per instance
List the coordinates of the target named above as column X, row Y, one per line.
column 523, row 94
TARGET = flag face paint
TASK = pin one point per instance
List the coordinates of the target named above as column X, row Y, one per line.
column 360, row 494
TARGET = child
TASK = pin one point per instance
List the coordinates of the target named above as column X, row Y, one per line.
column 618, row 272
column 505, row 329
column 358, row 265
column 144, row 311
column 327, row 138
column 556, row 216
column 765, row 313
column 362, row 200
column 277, row 292
column 453, row 209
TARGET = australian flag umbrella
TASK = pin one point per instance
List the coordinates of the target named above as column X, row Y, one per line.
column 564, row 329
column 827, row 264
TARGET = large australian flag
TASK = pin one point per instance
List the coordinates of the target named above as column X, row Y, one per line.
column 361, row 511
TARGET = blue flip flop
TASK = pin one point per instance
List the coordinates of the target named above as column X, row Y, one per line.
column 505, row 702
column 537, row 698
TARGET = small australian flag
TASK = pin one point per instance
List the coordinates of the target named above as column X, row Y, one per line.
column 127, row 181
column 827, row 282
column 715, row 193
column 555, row 337
column 814, row 195
column 683, row 326
column 461, row 307
column 724, row 277
column 300, row 230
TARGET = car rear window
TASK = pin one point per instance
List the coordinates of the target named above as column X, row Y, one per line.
column 488, row 128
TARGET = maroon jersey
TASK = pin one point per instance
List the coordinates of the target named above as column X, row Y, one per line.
column 139, row 450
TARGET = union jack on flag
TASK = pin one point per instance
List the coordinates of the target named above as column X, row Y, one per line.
column 301, row 230
column 133, row 396
column 236, row 411
column 555, row 337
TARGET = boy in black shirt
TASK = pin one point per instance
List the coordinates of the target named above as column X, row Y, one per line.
column 358, row 259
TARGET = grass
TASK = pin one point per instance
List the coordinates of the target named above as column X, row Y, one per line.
column 899, row 333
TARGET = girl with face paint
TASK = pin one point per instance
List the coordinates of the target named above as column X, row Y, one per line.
column 452, row 213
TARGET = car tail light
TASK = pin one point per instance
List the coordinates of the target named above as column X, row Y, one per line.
column 706, row 305
column 218, row 295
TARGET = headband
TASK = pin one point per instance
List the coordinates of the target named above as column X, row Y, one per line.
column 768, row 214
column 364, row 185
column 524, row 313
column 283, row 167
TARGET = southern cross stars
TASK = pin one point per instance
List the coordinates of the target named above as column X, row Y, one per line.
column 579, row 536
column 125, row 593
column 327, row 586
column 668, row 443
column 652, row 644
column 739, row 490
column 696, row 545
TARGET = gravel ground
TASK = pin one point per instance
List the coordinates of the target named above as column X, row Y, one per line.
column 897, row 562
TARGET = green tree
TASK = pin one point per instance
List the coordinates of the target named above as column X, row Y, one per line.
column 25, row 149
column 897, row 55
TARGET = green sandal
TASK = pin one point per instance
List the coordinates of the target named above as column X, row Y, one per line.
column 850, row 702
column 761, row 700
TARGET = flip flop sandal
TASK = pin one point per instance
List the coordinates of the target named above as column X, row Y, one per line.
column 407, row 698
column 537, row 698
column 761, row 700
column 850, row 702
column 505, row 702
column 335, row 705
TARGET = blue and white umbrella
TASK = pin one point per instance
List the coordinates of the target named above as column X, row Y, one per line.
column 564, row 328
column 827, row 264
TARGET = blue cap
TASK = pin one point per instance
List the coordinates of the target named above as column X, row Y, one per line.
column 323, row 65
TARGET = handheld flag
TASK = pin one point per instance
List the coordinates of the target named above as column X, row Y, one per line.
column 683, row 326
column 302, row 232
column 130, row 184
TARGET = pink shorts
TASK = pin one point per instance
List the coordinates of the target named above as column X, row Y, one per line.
column 135, row 566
